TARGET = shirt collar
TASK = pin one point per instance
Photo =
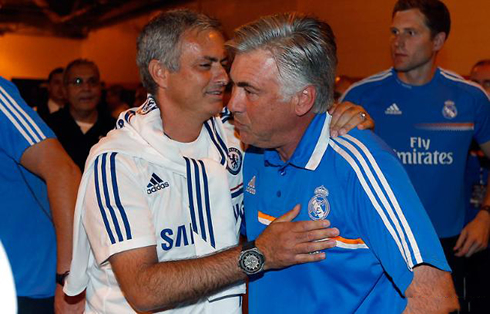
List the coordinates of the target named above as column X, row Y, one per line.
column 310, row 149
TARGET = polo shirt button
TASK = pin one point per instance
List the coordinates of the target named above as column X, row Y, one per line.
column 278, row 193
column 282, row 172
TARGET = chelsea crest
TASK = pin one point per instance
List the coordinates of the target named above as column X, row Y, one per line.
column 318, row 206
column 234, row 160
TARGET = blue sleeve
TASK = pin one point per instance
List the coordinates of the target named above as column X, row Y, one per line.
column 390, row 217
column 20, row 126
column 482, row 121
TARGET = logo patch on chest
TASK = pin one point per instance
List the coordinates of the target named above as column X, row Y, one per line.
column 449, row 111
column 318, row 206
column 156, row 184
column 234, row 160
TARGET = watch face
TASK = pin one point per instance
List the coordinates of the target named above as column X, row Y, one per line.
column 251, row 262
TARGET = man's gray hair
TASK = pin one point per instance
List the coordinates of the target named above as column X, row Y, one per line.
column 160, row 40
column 304, row 50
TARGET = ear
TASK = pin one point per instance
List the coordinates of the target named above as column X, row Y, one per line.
column 305, row 100
column 439, row 40
column 158, row 72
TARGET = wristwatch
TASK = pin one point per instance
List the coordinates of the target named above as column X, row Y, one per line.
column 251, row 260
column 60, row 278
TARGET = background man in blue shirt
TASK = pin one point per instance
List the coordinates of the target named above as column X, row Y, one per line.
column 429, row 116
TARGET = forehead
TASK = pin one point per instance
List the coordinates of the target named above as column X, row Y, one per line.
column 202, row 43
column 82, row 70
column 481, row 72
column 56, row 77
column 412, row 18
column 255, row 67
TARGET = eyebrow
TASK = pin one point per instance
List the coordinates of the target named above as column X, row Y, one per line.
column 213, row 59
column 247, row 85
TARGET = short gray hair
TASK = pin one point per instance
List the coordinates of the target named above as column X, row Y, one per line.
column 160, row 40
column 304, row 50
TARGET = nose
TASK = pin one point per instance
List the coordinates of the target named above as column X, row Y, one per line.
column 221, row 76
column 234, row 104
column 398, row 41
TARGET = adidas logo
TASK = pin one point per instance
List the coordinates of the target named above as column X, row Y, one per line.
column 156, row 184
column 393, row 109
column 251, row 186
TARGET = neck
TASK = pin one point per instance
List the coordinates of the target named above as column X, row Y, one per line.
column 84, row 116
column 419, row 76
column 179, row 125
column 293, row 137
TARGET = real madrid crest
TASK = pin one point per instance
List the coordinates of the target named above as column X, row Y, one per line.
column 449, row 111
column 318, row 206
column 234, row 163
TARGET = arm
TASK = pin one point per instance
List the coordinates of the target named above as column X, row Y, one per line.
column 149, row 285
column 48, row 160
column 346, row 116
column 431, row 291
column 474, row 236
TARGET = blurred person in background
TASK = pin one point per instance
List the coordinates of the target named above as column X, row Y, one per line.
column 116, row 100
column 56, row 96
column 81, row 123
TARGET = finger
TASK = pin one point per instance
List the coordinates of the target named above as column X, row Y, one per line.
column 317, row 235
column 368, row 124
column 339, row 112
column 468, row 243
column 332, row 109
column 473, row 249
column 461, row 240
column 290, row 215
column 309, row 258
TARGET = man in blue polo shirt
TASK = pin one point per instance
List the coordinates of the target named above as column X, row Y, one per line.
column 28, row 221
column 429, row 116
column 388, row 258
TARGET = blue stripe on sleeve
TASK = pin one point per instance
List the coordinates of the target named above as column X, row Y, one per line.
column 199, row 200
column 99, row 201
column 189, row 191
column 107, row 198
column 208, row 207
column 117, row 198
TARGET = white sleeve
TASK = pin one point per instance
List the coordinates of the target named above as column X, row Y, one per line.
column 116, row 214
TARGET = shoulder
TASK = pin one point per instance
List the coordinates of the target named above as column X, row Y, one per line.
column 470, row 88
column 368, row 84
column 362, row 149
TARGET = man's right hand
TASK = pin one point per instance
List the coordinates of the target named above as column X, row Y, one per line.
column 285, row 243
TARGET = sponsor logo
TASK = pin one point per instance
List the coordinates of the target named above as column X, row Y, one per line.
column 420, row 154
column 251, row 186
column 449, row 111
column 393, row 110
column 156, row 184
column 234, row 160
column 318, row 206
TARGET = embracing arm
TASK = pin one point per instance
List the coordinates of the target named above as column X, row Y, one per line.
column 431, row 291
column 150, row 285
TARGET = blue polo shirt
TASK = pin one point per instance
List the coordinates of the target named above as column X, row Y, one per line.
column 430, row 127
column 26, row 229
column 357, row 183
